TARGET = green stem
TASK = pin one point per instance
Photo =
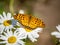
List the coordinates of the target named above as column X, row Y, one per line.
column 11, row 6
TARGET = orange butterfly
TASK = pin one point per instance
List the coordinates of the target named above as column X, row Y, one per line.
column 29, row 21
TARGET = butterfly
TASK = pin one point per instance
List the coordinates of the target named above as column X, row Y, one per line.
column 29, row 21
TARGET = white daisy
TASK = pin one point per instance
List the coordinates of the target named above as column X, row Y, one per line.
column 5, row 22
column 57, row 34
column 10, row 38
column 31, row 34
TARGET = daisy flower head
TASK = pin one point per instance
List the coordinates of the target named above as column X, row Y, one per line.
column 5, row 22
column 31, row 34
column 11, row 38
column 56, row 34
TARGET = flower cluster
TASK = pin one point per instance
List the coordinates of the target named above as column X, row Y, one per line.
column 14, row 36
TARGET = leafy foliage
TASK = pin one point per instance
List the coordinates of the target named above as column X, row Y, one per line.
column 28, row 42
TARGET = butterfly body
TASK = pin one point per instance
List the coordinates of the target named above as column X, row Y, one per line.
column 29, row 21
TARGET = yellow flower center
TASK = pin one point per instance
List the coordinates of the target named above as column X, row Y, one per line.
column 28, row 30
column 12, row 39
column 6, row 22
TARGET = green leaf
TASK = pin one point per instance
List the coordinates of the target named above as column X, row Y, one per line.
column 1, row 7
column 28, row 42
column 17, row 26
column 55, row 40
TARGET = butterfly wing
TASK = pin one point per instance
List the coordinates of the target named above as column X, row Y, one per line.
column 17, row 16
column 33, row 22
column 41, row 24
column 23, row 19
column 29, row 21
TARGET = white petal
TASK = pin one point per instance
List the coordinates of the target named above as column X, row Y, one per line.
column 1, row 17
column 1, row 28
column 8, row 15
column 4, row 14
column 58, row 27
column 58, row 36
column 38, row 30
column 21, row 42
column 21, row 12
column 7, row 44
column 22, row 36
column 21, row 30
column 35, row 35
column 10, row 27
column 12, row 18
column 55, row 33
column 2, row 42
column 11, row 33
column 16, row 33
column 3, row 37
column 16, row 43
column 6, row 28
column 1, row 21
column 31, row 38
column 8, row 32
column 18, row 24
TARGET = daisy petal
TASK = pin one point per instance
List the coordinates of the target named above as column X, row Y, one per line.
column 6, row 34
column 4, row 14
column 8, row 44
column 1, row 21
column 9, row 15
column 2, row 28
column 31, row 38
column 21, row 42
column 2, row 42
column 21, row 12
column 55, row 33
column 38, row 30
column 3, row 37
column 35, row 35
column 58, row 27
column 11, row 32
column 57, row 36
column 22, row 36
column 6, row 28
column 16, row 44
column 1, row 17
